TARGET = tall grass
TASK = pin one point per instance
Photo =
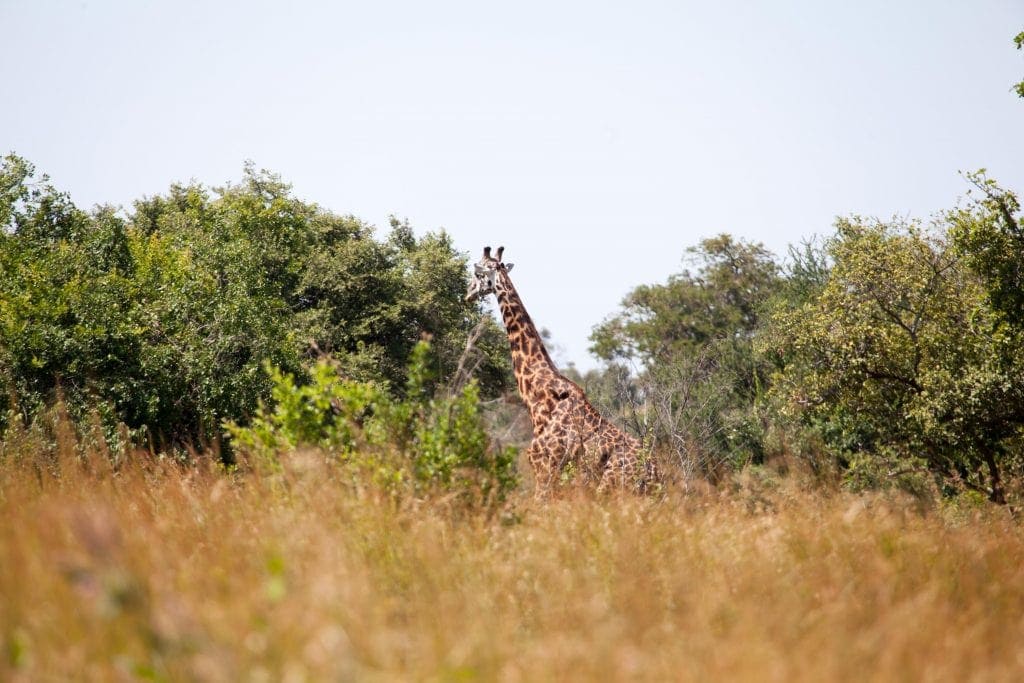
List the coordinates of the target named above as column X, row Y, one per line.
column 148, row 570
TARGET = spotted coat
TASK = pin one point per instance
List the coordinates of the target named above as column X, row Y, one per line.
column 569, row 434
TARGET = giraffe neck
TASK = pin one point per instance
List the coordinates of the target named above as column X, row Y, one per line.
column 531, row 363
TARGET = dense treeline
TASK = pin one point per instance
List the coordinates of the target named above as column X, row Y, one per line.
column 162, row 318
column 888, row 353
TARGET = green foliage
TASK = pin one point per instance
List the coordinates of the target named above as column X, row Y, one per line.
column 692, row 338
column 806, row 273
column 424, row 441
column 1018, row 40
column 367, row 303
column 989, row 235
column 163, row 319
column 888, row 354
column 900, row 361
column 66, row 294
column 721, row 300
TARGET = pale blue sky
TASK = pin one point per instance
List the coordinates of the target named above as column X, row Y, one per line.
column 595, row 140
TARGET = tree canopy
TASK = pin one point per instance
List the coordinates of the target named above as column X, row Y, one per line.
column 889, row 352
column 902, row 362
column 163, row 317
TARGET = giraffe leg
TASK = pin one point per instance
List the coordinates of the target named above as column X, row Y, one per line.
column 545, row 473
column 637, row 473
column 613, row 477
column 627, row 469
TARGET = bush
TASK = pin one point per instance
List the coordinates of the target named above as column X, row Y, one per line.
column 420, row 443
column 903, row 362
column 694, row 395
column 164, row 318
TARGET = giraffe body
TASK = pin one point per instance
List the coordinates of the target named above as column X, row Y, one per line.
column 568, row 432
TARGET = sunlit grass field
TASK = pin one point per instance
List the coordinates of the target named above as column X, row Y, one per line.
column 161, row 572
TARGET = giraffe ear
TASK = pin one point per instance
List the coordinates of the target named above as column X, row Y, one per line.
column 508, row 267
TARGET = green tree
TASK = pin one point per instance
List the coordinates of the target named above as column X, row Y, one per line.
column 164, row 319
column 369, row 302
column 899, row 363
column 988, row 233
column 286, row 280
column 691, row 339
column 66, row 292
column 720, row 300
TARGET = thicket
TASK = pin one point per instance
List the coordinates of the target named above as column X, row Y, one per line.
column 682, row 356
column 163, row 317
column 425, row 441
column 889, row 353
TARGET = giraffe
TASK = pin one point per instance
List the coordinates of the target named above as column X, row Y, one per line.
column 567, row 430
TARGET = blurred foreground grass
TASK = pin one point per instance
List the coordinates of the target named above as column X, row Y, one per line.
column 162, row 572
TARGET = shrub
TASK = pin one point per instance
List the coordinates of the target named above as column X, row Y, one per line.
column 423, row 443
column 690, row 340
column 163, row 316
column 901, row 362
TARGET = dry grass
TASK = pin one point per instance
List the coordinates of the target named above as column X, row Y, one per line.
column 157, row 572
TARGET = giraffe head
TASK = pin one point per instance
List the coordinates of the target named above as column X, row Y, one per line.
column 484, row 273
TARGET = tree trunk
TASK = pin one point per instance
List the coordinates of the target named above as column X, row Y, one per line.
column 996, row 494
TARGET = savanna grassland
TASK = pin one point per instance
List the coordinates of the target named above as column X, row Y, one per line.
column 150, row 570
column 244, row 438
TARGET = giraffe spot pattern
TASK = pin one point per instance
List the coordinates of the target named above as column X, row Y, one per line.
column 567, row 430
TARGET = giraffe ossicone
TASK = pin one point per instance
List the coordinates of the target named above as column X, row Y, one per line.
column 568, row 432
